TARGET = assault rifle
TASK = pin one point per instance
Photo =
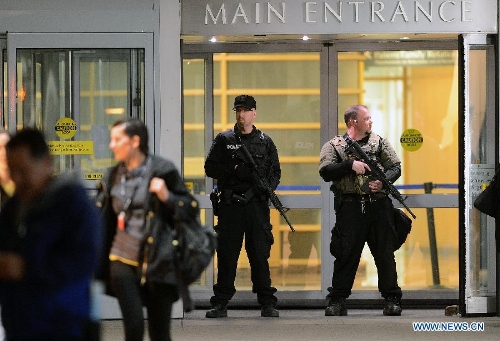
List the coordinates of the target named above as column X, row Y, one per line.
column 262, row 181
column 377, row 173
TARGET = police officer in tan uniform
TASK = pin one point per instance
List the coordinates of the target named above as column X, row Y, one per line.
column 363, row 211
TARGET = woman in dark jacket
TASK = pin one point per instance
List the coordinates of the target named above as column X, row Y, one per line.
column 139, row 198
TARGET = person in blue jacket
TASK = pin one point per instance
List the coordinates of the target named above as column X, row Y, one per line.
column 49, row 247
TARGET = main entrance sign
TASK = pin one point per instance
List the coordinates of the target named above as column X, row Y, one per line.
column 337, row 16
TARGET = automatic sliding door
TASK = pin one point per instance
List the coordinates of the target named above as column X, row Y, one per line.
column 411, row 93
column 287, row 90
column 73, row 86
column 108, row 85
column 301, row 97
column 286, row 86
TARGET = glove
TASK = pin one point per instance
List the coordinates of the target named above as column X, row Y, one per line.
column 244, row 173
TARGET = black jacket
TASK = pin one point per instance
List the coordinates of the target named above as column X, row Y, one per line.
column 156, row 260
column 224, row 155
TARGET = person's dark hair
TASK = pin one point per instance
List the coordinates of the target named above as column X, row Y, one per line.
column 32, row 139
column 352, row 112
column 133, row 127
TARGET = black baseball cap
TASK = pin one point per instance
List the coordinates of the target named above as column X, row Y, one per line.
column 245, row 101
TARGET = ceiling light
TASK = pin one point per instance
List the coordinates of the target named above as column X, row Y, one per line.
column 213, row 39
column 305, row 38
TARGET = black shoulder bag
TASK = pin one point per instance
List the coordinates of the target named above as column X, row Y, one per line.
column 402, row 227
column 195, row 246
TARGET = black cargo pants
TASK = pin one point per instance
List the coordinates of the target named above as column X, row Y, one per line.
column 250, row 221
column 356, row 223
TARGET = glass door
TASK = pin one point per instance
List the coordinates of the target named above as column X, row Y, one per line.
column 75, row 94
column 412, row 94
column 301, row 96
column 286, row 85
column 479, row 128
column 108, row 86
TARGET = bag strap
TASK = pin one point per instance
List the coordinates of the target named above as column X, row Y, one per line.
column 182, row 287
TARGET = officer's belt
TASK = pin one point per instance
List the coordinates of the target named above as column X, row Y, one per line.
column 229, row 196
column 349, row 197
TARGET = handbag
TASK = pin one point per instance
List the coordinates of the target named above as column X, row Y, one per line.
column 488, row 201
column 402, row 227
column 195, row 247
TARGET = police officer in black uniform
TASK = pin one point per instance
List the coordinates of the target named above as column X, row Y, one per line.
column 243, row 208
column 364, row 212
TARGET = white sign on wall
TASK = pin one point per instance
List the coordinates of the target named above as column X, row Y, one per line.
column 480, row 177
column 222, row 17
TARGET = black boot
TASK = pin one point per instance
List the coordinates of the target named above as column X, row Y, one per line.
column 268, row 310
column 336, row 307
column 392, row 306
column 218, row 310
